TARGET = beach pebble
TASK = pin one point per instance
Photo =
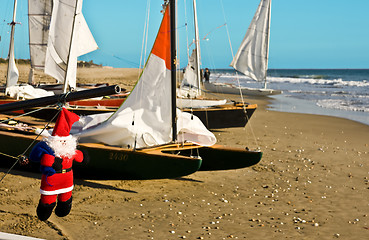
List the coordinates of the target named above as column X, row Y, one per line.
column 316, row 224
column 337, row 235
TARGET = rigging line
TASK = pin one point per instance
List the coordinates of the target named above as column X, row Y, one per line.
column 25, row 114
column 145, row 35
column 204, row 38
column 9, row 170
column 46, row 125
column 135, row 64
column 6, row 155
column 186, row 23
column 237, row 75
column 141, row 66
column 143, row 51
column 230, row 45
column 251, row 128
column 34, row 140
column 210, row 56
column 125, row 60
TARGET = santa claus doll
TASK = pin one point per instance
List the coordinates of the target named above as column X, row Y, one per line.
column 56, row 154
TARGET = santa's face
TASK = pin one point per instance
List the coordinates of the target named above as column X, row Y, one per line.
column 62, row 147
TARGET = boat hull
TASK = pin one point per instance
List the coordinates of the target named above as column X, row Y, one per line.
column 224, row 116
column 221, row 158
column 109, row 162
column 167, row 161
column 231, row 89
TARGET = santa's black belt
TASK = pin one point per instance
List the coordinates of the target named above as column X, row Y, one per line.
column 64, row 170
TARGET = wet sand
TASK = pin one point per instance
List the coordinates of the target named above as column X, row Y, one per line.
column 312, row 182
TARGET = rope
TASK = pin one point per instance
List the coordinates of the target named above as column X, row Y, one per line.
column 6, row 155
column 46, row 125
column 237, row 75
column 22, row 156
column 25, row 114
column 9, row 170
column 204, row 38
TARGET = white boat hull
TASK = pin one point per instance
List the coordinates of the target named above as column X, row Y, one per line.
column 231, row 89
column 199, row 103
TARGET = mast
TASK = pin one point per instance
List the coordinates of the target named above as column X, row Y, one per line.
column 267, row 43
column 12, row 71
column 173, row 56
column 197, row 43
column 66, row 83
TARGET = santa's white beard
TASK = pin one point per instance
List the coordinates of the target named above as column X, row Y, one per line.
column 62, row 147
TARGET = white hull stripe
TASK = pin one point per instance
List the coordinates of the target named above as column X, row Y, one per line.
column 59, row 191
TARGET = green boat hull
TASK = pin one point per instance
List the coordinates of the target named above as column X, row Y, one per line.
column 167, row 161
column 220, row 158
column 108, row 162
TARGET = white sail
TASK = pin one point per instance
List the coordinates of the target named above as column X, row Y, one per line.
column 252, row 56
column 144, row 119
column 12, row 73
column 190, row 86
column 197, row 44
column 68, row 29
column 39, row 16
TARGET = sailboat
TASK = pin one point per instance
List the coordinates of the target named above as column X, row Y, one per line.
column 148, row 137
column 214, row 113
column 251, row 58
column 55, row 44
column 190, row 92
column 69, row 38
column 12, row 88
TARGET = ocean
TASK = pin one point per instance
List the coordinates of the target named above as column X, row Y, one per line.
column 334, row 92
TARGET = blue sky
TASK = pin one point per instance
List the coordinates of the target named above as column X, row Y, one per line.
column 304, row 34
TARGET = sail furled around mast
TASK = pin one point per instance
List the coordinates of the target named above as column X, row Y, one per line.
column 39, row 17
column 190, row 84
column 144, row 118
column 251, row 58
column 12, row 73
column 69, row 37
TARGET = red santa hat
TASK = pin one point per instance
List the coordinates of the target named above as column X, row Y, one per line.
column 64, row 123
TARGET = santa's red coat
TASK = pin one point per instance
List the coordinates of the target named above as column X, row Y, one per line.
column 59, row 182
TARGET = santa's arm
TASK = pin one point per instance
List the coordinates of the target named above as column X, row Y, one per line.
column 47, row 160
column 79, row 156
column 46, row 164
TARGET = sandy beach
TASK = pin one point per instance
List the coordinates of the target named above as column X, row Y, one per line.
column 312, row 183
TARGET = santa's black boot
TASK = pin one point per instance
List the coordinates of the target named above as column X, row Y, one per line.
column 44, row 210
column 63, row 208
